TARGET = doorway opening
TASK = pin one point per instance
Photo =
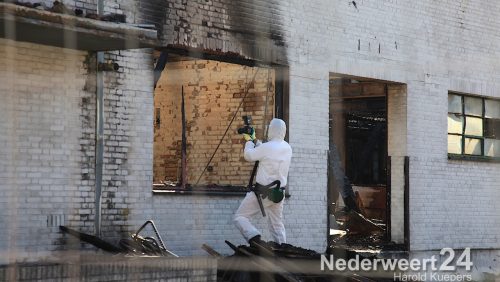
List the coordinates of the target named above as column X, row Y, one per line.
column 359, row 166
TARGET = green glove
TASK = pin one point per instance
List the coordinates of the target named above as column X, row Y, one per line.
column 249, row 137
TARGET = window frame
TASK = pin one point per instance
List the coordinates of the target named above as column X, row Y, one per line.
column 464, row 136
column 281, row 109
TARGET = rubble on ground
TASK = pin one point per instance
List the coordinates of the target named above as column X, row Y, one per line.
column 358, row 235
column 269, row 261
column 356, row 223
column 135, row 245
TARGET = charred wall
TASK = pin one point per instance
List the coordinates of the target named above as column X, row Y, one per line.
column 252, row 29
column 152, row 12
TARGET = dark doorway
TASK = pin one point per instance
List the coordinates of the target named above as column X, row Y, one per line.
column 358, row 148
column 366, row 141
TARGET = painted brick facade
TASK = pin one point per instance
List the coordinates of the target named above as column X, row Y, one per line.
column 431, row 46
column 48, row 125
column 254, row 30
column 47, row 151
column 40, row 145
column 396, row 144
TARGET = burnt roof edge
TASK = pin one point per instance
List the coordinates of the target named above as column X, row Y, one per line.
column 117, row 35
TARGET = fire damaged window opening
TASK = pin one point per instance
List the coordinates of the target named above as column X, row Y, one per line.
column 473, row 127
column 205, row 100
column 359, row 166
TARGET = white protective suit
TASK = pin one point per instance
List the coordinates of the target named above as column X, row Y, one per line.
column 274, row 159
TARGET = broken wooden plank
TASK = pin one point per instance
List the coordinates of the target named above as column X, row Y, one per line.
column 93, row 240
column 262, row 262
column 262, row 249
column 211, row 251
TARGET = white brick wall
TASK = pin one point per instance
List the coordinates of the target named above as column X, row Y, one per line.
column 308, row 130
column 431, row 46
column 397, row 150
column 41, row 126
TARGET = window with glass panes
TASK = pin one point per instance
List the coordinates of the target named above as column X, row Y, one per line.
column 473, row 126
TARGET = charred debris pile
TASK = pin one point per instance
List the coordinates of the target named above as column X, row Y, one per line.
column 268, row 261
column 355, row 235
column 135, row 245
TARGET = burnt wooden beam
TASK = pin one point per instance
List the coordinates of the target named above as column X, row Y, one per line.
column 211, row 251
column 184, row 143
column 341, row 182
column 407, row 203
column 160, row 66
column 208, row 54
column 47, row 28
column 93, row 240
column 262, row 262
column 388, row 200
column 388, row 171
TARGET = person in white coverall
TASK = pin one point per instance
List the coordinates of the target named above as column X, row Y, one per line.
column 274, row 159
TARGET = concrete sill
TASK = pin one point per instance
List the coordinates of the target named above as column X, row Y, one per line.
column 200, row 190
column 473, row 158
column 177, row 192
column 227, row 191
column 42, row 27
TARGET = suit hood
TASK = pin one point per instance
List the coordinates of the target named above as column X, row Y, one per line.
column 277, row 130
